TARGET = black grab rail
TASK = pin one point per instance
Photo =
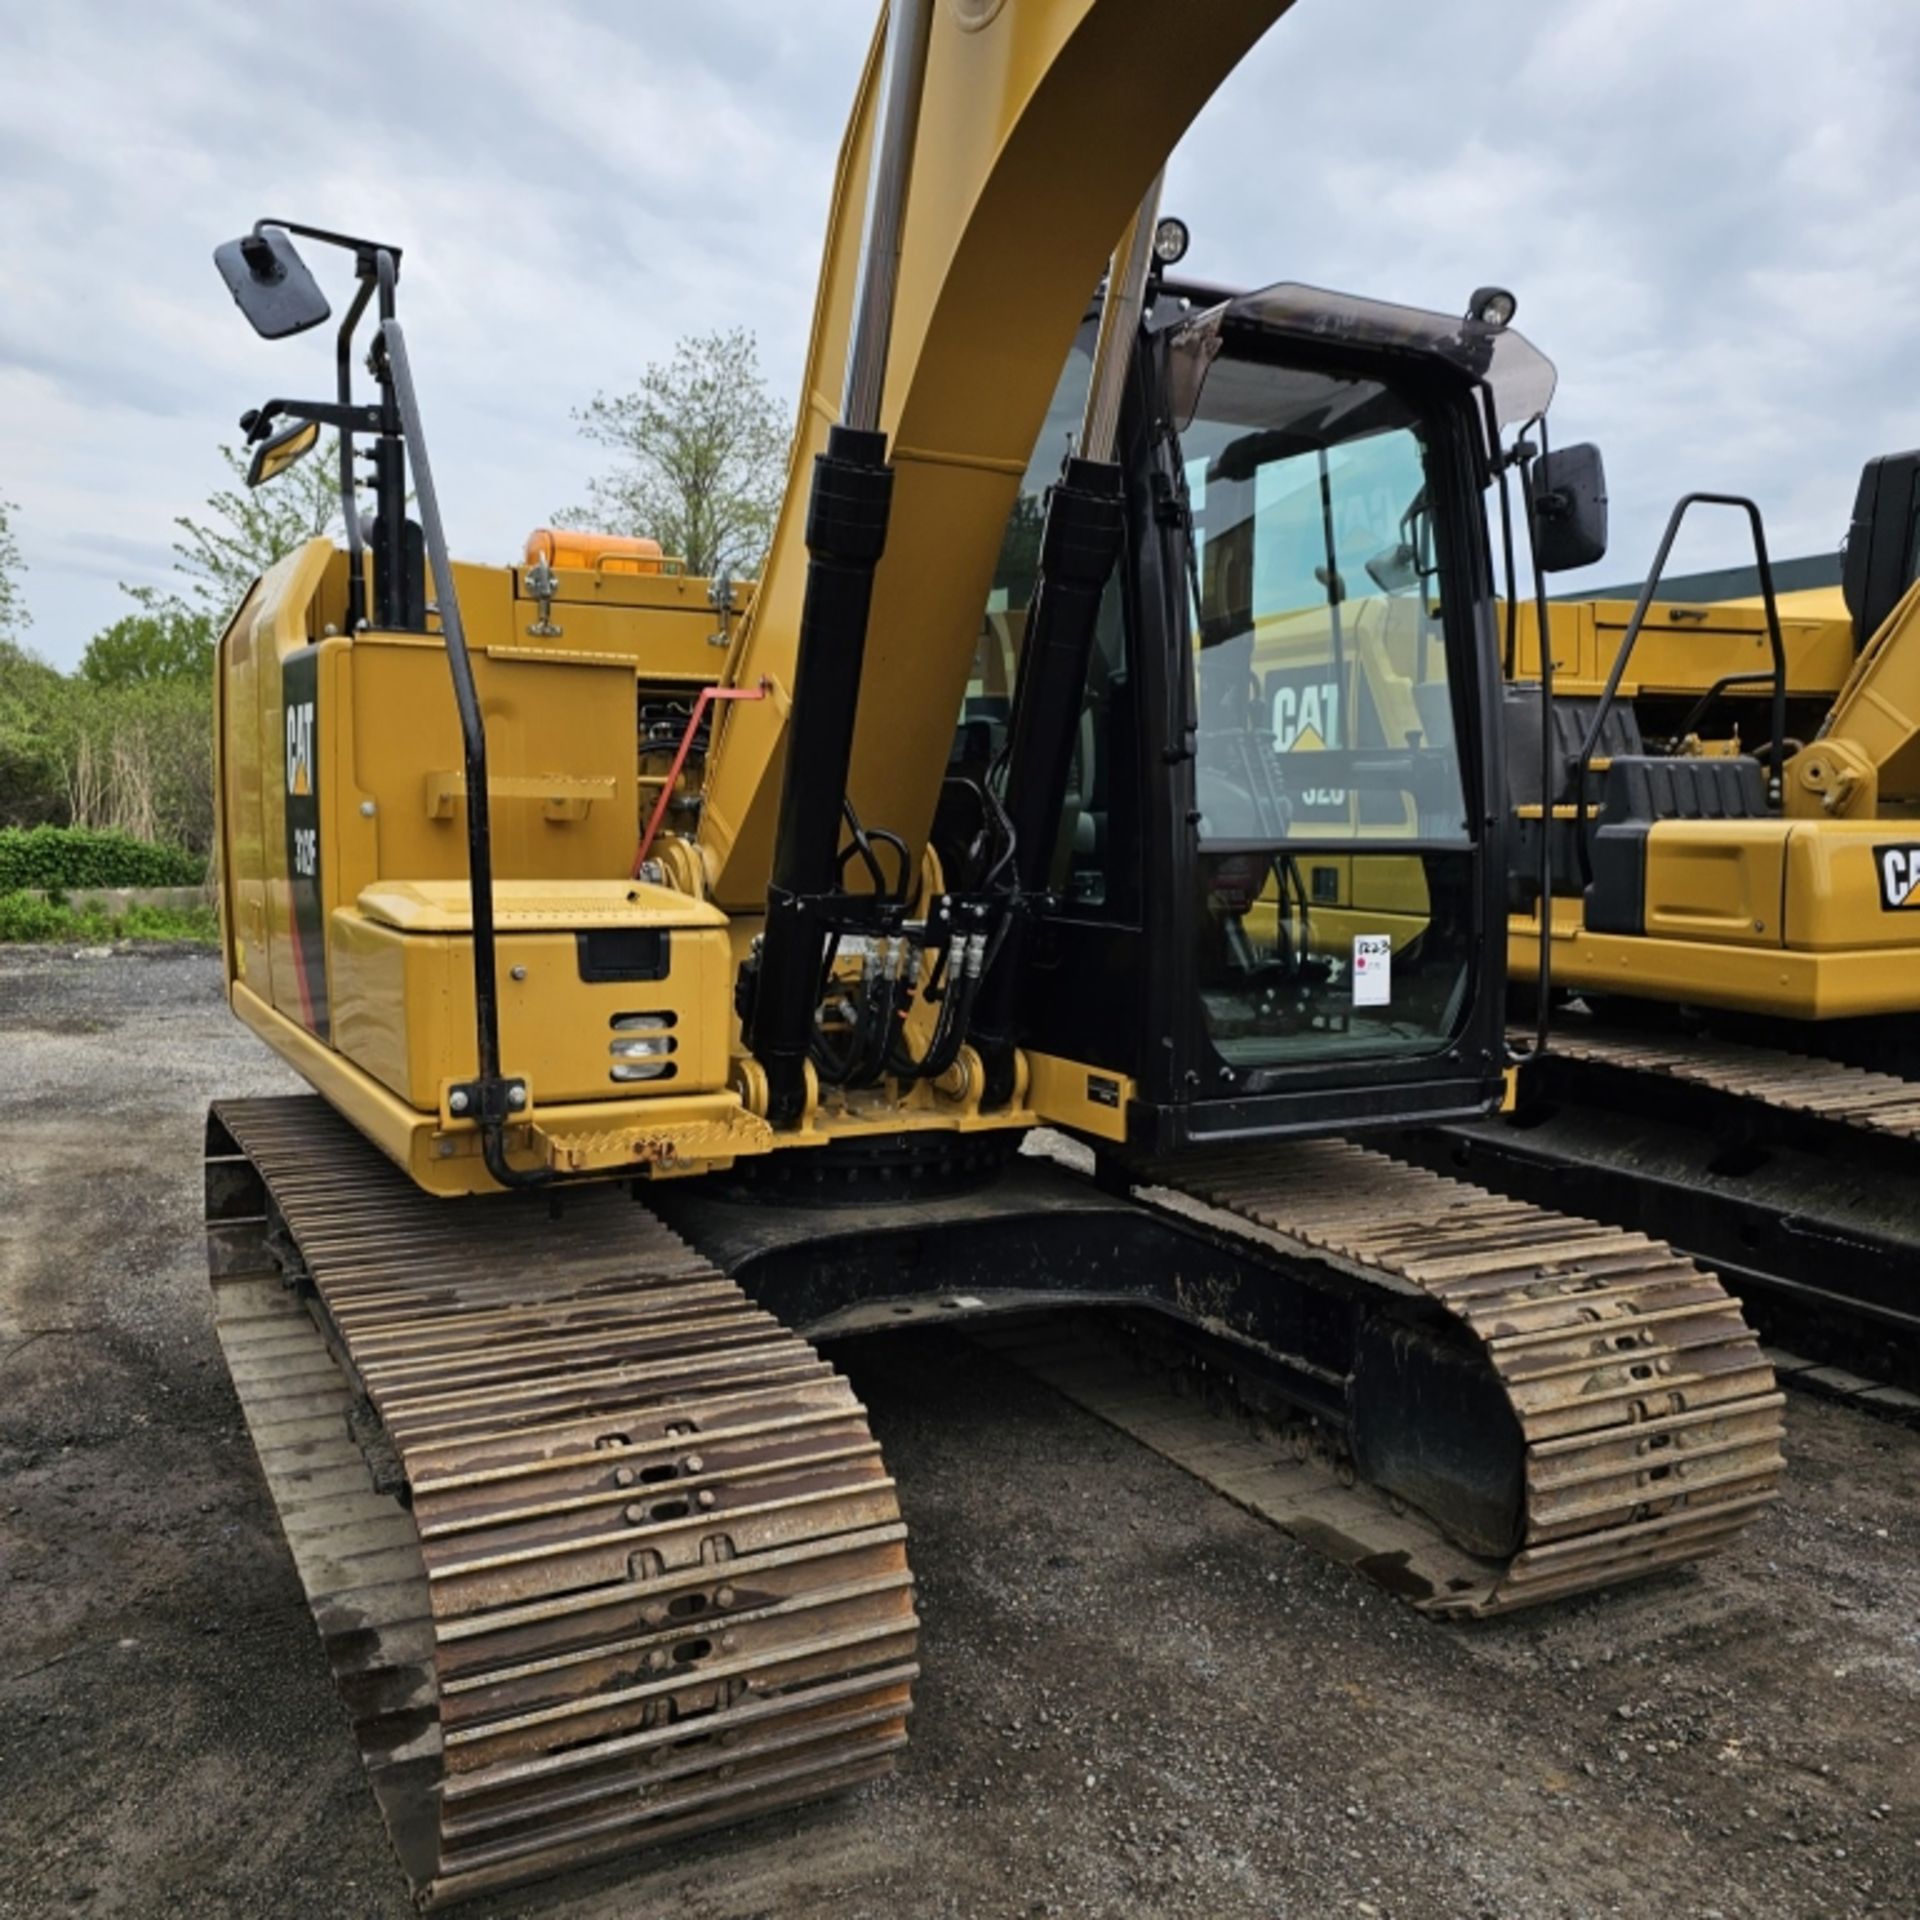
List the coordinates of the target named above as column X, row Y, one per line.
column 490, row 1100
column 1543, row 960
column 1583, row 764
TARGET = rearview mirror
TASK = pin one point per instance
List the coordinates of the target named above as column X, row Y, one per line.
column 1395, row 569
column 271, row 285
column 1570, row 508
column 273, row 456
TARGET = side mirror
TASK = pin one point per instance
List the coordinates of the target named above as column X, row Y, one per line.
column 270, row 284
column 274, row 455
column 1570, row 508
column 1395, row 569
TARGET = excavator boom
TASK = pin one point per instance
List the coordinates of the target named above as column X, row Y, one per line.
column 1868, row 749
column 1039, row 131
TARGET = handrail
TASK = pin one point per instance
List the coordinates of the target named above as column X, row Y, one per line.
column 496, row 1098
column 1583, row 765
column 1523, row 456
column 1714, row 692
column 1543, row 966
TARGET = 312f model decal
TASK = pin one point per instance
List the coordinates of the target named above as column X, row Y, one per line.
column 299, row 678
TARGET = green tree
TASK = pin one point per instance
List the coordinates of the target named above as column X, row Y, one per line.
column 244, row 530
column 14, row 617
column 165, row 640
column 1018, row 569
column 126, row 742
column 701, row 456
column 138, row 758
column 35, row 721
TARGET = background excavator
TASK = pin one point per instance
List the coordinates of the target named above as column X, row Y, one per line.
column 1733, row 943
column 1743, row 770
column 646, row 951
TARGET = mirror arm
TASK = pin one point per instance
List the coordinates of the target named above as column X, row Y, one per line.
column 365, row 252
column 327, row 413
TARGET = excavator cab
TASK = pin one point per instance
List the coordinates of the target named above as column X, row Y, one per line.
column 1274, row 877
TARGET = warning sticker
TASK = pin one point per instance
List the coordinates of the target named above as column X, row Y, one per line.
column 1372, row 970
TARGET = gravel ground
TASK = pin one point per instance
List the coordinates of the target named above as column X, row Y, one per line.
column 1137, row 1700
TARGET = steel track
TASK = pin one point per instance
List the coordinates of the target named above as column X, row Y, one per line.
column 646, row 1573
column 602, row 1555
column 1792, row 1175
column 1649, row 1421
column 1880, row 1105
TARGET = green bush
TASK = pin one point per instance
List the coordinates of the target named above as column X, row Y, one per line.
column 139, row 760
column 62, row 858
column 131, row 755
column 27, row 918
column 35, row 722
column 167, row 923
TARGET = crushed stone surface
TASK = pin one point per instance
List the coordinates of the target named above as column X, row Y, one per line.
column 1136, row 1700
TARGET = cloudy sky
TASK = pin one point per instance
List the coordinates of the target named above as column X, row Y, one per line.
column 1710, row 210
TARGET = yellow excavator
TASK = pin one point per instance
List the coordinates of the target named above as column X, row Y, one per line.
column 1732, row 944
column 1761, row 875
column 678, row 983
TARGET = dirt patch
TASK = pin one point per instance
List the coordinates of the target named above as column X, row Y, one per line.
column 1136, row 1700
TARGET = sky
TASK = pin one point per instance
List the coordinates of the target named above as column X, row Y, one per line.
column 1709, row 209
